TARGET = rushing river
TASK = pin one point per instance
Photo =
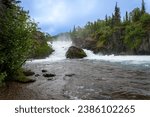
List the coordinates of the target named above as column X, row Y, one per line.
column 61, row 47
column 94, row 77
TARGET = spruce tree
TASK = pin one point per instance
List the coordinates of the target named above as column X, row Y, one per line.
column 113, row 20
column 74, row 29
column 143, row 7
column 127, row 16
column 106, row 18
column 117, row 17
column 135, row 15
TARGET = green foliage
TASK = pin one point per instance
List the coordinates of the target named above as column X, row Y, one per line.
column 19, row 76
column 114, row 35
column 48, row 37
column 134, row 35
column 100, row 43
column 145, row 20
column 41, row 50
column 117, row 17
column 18, row 41
column 143, row 9
column 135, row 15
column 2, row 78
column 16, row 37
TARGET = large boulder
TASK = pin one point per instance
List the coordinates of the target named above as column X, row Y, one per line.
column 75, row 52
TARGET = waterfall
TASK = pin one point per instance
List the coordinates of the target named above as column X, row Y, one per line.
column 60, row 48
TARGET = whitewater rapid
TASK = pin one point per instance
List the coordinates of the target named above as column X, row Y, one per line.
column 126, row 59
column 61, row 47
column 96, row 77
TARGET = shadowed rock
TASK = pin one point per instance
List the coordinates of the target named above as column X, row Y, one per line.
column 37, row 75
column 28, row 73
column 69, row 75
column 44, row 70
column 75, row 52
column 51, row 78
column 49, row 75
column 26, row 80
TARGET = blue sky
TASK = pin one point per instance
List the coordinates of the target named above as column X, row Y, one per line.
column 56, row 16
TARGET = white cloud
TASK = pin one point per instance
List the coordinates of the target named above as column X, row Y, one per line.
column 54, row 15
column 60, row 12
column 50, row 13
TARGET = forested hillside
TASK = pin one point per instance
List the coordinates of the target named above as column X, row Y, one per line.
column 116, row 35
column 20, row 39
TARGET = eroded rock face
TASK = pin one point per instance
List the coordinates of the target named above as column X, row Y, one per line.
column 75, row 52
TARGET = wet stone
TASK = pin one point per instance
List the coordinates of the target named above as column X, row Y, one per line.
column 37, row 75
column 49, row 75
column 51, row 78
column 69, row 75
column 28, row 73
column 44, row 71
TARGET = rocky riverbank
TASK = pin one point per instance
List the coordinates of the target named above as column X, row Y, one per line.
column 81, row 79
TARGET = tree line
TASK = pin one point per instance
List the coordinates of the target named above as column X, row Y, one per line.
column 127, row 35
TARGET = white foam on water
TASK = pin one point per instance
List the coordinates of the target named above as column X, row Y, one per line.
column 61, row 46
column 127, row 59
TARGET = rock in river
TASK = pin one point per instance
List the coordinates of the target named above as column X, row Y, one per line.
column 28, row 73
column 44, row 70
column 75, row 52
column 49, row 75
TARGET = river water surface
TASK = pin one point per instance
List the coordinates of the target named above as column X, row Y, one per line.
column 94, row 77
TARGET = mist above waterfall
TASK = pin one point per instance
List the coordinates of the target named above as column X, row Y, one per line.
column 60, row 45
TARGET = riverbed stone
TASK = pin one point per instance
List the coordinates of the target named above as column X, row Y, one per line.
column 44, row 70
column 69, row 75
column 75, row 52
column 28, row 73
column 37, row 75
column 51, row 78
column 49, row 75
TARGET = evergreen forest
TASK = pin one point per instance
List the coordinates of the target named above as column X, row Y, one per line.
column 128, row 35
